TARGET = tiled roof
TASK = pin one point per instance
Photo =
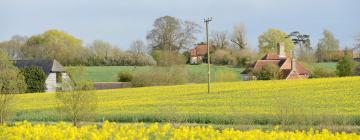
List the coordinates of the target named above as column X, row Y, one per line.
column 260, row 63
column 284, row 65
column 199, row 50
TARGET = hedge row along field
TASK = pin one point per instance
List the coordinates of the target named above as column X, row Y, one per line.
column 330, row 101
column 63, row 131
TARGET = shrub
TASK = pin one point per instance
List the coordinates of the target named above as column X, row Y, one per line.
column 125, row 76
column 319, row 72
column 35, row 79
column 267, row 72
column 173, row 75
column 345, row 66
column 357, row 70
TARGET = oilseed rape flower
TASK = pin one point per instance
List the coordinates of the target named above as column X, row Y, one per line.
column 155, row 131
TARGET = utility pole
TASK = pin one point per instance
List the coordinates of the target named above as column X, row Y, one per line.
column 207, row 20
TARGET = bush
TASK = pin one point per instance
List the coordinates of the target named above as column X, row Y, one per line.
column 357, row 70
column 34, row 78
column 319, row 72
column 345, row 66
column 174, row 75
column 267, row 72
column 125, row 76
column 168, row 58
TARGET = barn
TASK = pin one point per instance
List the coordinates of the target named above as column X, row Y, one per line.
column 54, row 71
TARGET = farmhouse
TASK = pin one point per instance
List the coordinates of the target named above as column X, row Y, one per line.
column 289, row 69
column 198, row 53
column 54, row 71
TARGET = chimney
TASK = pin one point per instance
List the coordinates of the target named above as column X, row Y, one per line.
column 293, row 62
column 281, row 50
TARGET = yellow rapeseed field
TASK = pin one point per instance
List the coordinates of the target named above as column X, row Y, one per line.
column 140, row 131
column 310, row 101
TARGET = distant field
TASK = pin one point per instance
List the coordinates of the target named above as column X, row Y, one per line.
column 329, row 101
column 328, row 65
column 109, row 73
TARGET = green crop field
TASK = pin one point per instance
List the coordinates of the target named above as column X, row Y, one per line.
column 310, row 101
column 327, row 65
column 109, row 73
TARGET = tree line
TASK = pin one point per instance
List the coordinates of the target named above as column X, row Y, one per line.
column 69, row 50
column 168, row 42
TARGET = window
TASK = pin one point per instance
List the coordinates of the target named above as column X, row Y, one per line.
column 58, row 77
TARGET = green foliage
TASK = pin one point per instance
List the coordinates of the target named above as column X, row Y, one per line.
column 268, row 41
column 267, row 72
column 125, row 76
column 173, row 75
column 11, row 82
column 319, row 72
column 168, row 58
column 345, row 66
column 196, row 73
column 327, row 48
column 35, row 79
column 53, row 44
column 357, row 70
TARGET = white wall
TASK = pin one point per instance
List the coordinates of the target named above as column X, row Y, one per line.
column 51, row 82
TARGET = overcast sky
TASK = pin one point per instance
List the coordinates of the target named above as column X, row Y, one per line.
column 120, row 22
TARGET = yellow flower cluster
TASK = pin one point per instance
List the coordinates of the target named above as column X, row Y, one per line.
column 140, row 131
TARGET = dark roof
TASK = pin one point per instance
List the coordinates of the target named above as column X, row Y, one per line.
column 47, row 65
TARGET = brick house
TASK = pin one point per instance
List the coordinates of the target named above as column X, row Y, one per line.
column 289, row 69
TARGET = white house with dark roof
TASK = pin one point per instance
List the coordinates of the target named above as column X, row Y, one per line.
column 54, row 71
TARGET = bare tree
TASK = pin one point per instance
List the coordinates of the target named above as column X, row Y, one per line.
column 79, row 102
column 138, row 47
column 11, row 83
column 101, row 48
column 13, row 46
column 239, row 36
column 219, row 39
column 171, row 34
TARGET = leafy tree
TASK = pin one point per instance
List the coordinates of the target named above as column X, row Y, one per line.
column 327, row 47
column 268, row 41
column 267, row 72
column 172, row 34
column 53, row 44
column 345, row 66
column 11, row 82
column 35, row 79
